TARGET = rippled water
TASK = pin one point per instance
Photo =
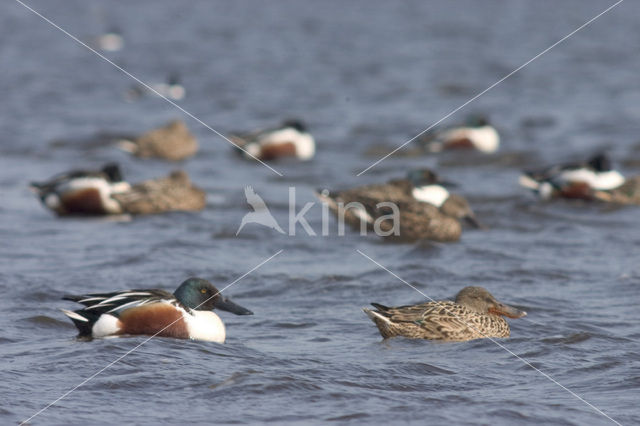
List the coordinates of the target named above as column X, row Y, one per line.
column 363, row 75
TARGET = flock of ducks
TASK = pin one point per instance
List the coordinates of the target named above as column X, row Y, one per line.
column 427, row 210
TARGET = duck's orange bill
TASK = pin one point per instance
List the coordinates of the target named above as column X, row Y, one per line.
column 507, row 311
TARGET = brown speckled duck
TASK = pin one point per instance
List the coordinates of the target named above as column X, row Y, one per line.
column 475, row 314
column 172, row 142
column 172, row 193
column 427, row 209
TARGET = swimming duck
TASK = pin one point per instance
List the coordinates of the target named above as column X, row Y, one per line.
column 475, row 314
column 105, row 192
column 427, row 209
column 172, row 89
column 110, row 41
column 172, row 193
column 87, row 192
column 185, row 314
column 172, row 141
column 574, row 180
column 291, row 139
column 476, row 134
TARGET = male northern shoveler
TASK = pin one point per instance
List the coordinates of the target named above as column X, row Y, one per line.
column 185, row 314
column 476, row 133
column 574, row 180
column 172, row 193
column 475, row 314
column 172, row 141
column 291, row 139
column 426, row 208
column 83, row 191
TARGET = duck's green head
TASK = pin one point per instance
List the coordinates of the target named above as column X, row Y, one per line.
column 480, row 300
column 199, row 294
column 477, row 120
column 423, row 177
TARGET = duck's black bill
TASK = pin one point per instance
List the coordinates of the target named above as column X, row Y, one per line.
column 227, row 305
column 474, row 222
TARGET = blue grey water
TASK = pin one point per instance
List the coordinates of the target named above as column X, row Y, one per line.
column 362, row 74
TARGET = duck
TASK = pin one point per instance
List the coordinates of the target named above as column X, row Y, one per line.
column 185, row 314
column 174, row 192
column 474, row 314
column 85, row 192
column 574, row 180
column 104, row 192
column 110, row 41
column 172, row 141
column 426, row 208
column 477, row 133
column 171, row 89
column 290, row 139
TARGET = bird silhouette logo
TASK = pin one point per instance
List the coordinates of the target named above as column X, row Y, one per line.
column 260, row 214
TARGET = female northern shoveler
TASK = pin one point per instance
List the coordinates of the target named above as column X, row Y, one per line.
column 104, row 192
column 474, row 314
column 185, row 314
column 172, row 141
column 83, row 191
column 291, row 139
column 427, row 209
column 172, row 193
column 574, row 180
column 476, row 133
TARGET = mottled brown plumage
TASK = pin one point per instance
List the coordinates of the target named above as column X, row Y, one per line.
column 627, row 193
column 172, row 193
column 417, row 219
column 475, row 314
column 172, row 142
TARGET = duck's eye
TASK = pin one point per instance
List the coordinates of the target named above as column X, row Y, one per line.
column 203, row 290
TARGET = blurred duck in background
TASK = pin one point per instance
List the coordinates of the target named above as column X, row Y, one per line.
column 104, row 192
column 574, row 180
column 426, row 208
column 290, row 139
column 172, row 141
column 476, row 134
column 87, row 192
column 171, row 89
column 420, row 185
column 110, row 41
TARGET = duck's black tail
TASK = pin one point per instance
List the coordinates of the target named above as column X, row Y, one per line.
column 83, row 320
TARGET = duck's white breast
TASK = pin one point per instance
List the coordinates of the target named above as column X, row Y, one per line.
column 205, row 325
column 485, row 138
column 597, row 180
column 432, row 194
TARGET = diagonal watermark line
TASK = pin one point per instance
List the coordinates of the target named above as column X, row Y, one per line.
column 119, row 68
column 492, row 86
column 67, row 393
column 499, row 344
